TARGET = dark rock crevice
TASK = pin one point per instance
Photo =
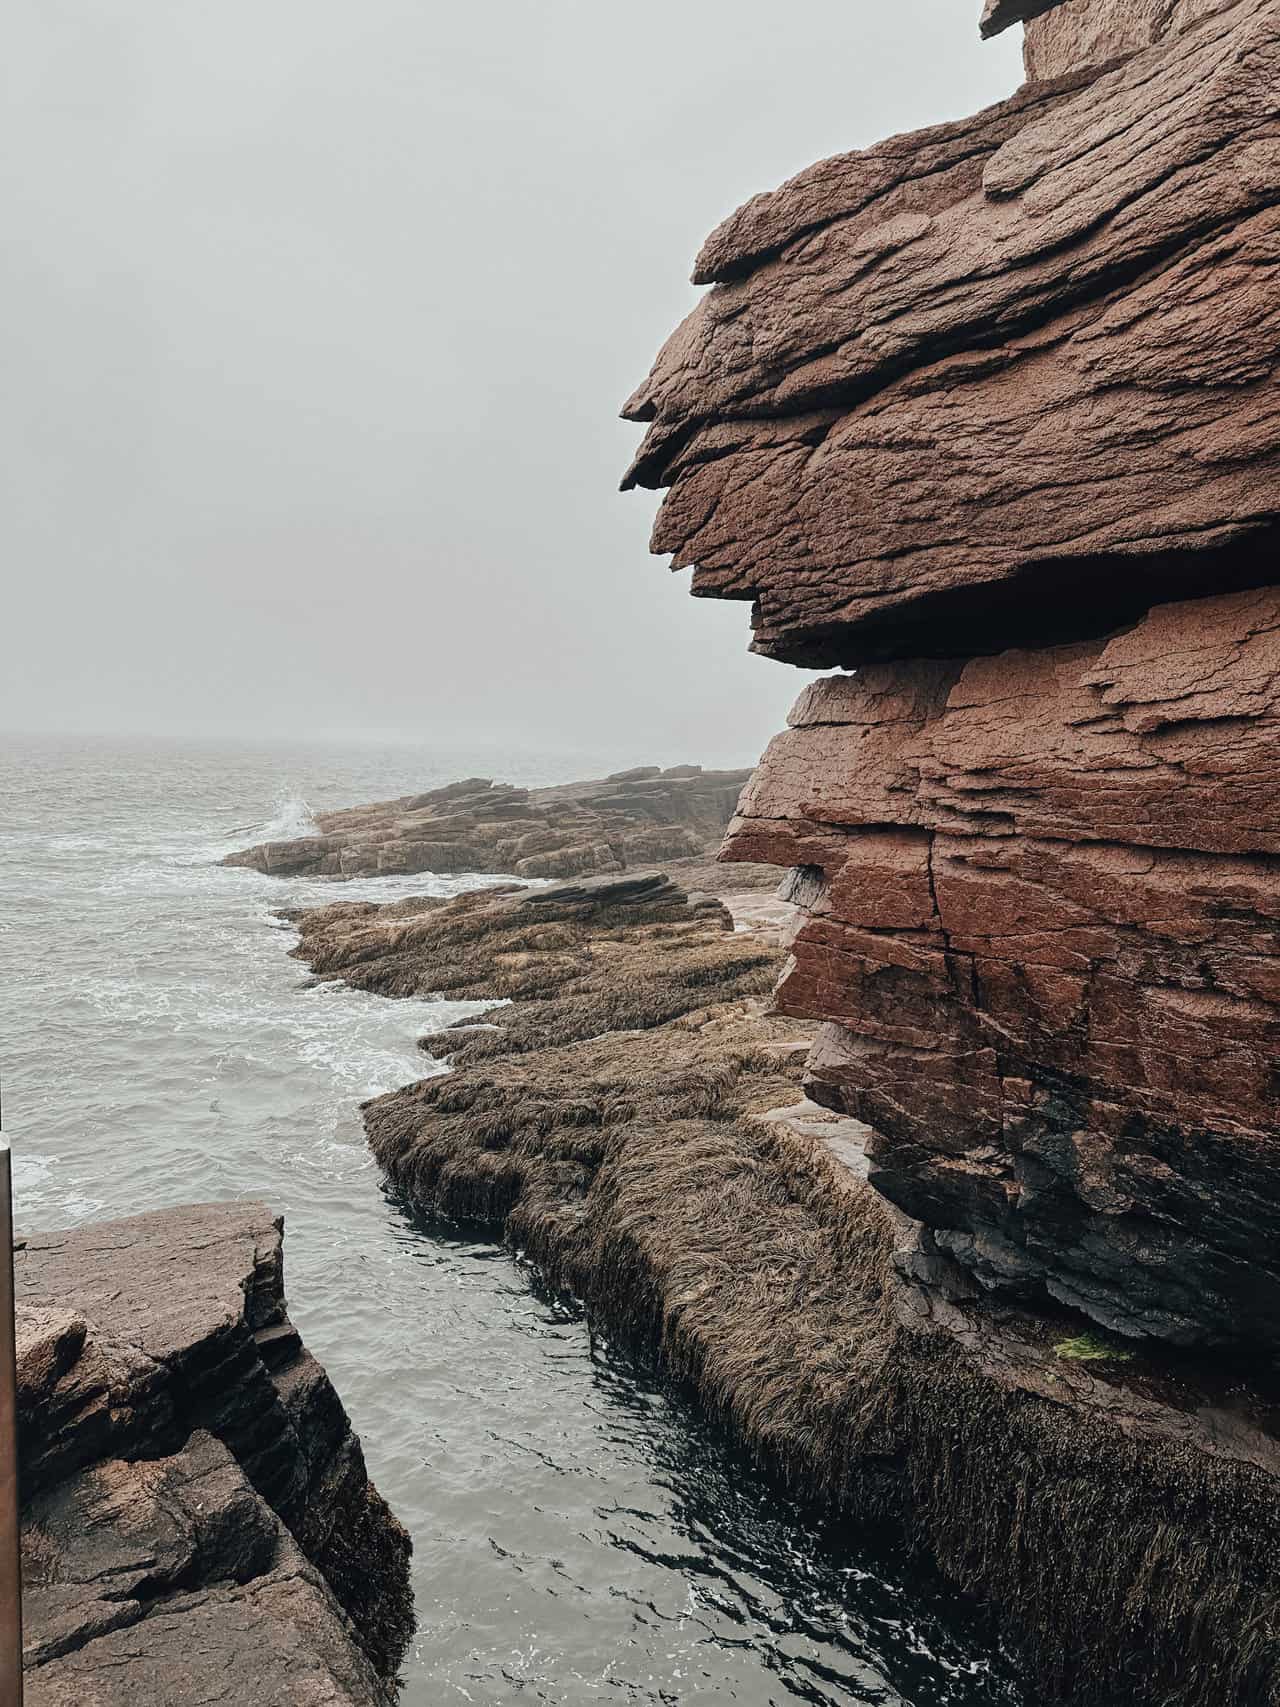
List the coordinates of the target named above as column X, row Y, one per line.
column 1050, row 601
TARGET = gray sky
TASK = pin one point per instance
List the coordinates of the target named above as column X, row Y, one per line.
column 318, row 317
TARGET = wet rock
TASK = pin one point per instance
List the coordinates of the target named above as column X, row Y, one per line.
column 198, row 1524
column 633, row 818
column 575, row 961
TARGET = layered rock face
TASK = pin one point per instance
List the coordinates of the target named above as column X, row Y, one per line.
column 1002, row 381
column 631, row 818
column 1063, row 36
column 1043, row 898
column 198, row 1525
column 989, row 415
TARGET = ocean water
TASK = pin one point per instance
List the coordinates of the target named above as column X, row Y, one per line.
column 580, row 1535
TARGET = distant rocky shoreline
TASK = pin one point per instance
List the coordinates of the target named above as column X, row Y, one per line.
column 633, row 818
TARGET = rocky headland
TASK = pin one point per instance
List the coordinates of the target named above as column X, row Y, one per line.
column 1014, row 380
column 631, row 819
column 986, row 419
column 198, row 1526
column 968, row 1229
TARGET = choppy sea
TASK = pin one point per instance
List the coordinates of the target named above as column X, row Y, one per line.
column 581, row 1536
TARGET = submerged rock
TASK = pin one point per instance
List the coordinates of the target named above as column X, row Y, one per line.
column 198, row 1525
column 628, row 820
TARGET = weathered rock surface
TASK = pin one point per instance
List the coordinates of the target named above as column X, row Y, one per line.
column 1042, row 899
column 633, row 818
column 1065, row 35
column 1118, row 1513
column 1000, row 382
column 198, row 1525
column 577, row 960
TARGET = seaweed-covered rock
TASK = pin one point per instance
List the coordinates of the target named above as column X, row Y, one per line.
column 574, row 961
column 198, row 1525
column 1115, row 1510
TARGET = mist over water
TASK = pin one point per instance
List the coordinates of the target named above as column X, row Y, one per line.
column 580, row 1535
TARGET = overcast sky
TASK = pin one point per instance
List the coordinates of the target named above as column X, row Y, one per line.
column 319, row 314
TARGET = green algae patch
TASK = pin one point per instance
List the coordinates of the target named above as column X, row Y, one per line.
column 1091, row 1348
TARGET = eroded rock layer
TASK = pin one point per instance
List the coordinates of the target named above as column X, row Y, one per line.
column 1042, row 897
column 198, row 1525
column 1003, row 381
column 570, row 830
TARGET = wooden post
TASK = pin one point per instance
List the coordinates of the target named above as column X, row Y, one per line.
column 10, row 1508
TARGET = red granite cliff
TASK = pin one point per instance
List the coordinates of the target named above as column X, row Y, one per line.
column 988, row 415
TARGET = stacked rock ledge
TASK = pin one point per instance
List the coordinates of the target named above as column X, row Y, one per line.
column 1004, row 381
column 1014, row 381
column 198, row 1524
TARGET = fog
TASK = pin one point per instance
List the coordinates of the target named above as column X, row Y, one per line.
column 318, row 319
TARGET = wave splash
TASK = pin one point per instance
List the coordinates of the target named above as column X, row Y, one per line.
column 292, row 819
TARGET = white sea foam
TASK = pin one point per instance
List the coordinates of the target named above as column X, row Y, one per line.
column 291, row 820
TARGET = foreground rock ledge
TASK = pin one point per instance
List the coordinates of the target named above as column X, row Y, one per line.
column 198, row 1526
column 633, row 1121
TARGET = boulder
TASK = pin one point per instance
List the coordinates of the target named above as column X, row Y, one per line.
column 195, row 1503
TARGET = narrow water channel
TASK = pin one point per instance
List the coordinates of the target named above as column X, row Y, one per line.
column 580, row 1535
